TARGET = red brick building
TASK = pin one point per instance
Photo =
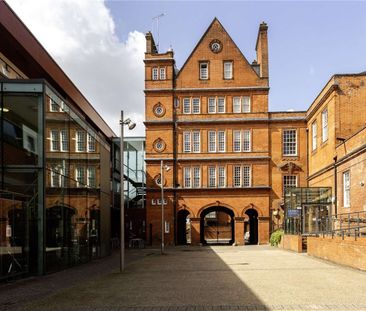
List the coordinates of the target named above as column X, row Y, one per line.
column 230, row 158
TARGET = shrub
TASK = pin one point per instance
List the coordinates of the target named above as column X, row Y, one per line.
column 276, row 237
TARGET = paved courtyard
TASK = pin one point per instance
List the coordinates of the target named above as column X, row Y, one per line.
column 195, row 278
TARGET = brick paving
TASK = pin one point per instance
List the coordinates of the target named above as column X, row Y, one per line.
column 193, row 279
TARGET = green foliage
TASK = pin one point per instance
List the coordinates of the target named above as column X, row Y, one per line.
column 276, row 237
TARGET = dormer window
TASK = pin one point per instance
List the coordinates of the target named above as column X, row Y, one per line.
column 203, row 71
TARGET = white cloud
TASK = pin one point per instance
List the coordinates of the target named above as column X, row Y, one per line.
column 80, row 36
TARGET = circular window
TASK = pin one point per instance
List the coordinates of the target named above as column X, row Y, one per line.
column 159, row 110
column 158, row 180
column 216, row 46
column 159, row 145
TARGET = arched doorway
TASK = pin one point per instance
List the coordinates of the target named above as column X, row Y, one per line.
column 217, row 225
column 251, row 227
column 183, row 227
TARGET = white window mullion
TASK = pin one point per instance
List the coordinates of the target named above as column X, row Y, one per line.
column 246, row 176
column 211, row 105
column 221, row 177
column 237, row 176
column 246, row 141
column 221, row 141
column 212, row 176
column 187, row 177
column 236, row 105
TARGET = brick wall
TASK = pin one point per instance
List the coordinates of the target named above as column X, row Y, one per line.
column 349, row 252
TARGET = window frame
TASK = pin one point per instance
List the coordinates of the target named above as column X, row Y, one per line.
column 187, row 177
column 325, row 133
column 193, row 105
column 346, row 189
column 186, row 143
column 214, row 104
column 220, row 143
column 155, row 73
column 187, row 100
column 284, row 187
column 193, row 146
column 314, row 135
column 162, row 73
column 88, row 176
column 284, row 143
column 211, row 169
column 249, row 140
column 201, row 76
column 54, row 140
column 78, row 143
column 221, row 168
column 231, row 76
column 64, row 142
column 211, row 143
column 243, row 104
column 218, row 104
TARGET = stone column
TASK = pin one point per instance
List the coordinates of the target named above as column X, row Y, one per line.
column 195, row 231
column 239, row 230
column 263, row 229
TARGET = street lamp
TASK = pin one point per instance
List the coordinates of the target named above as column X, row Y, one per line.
column 162, row 168
column 131, row 125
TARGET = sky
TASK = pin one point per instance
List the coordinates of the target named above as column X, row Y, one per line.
column 100, row 44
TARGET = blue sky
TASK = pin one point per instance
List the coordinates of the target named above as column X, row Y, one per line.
column 308, row 41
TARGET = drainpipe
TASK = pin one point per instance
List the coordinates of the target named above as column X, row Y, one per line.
column 307, row 157
column 335, row 187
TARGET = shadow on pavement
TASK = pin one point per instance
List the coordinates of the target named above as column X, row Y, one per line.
column 184, row 277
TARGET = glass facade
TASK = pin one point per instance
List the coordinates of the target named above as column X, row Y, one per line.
column 55, row 191
column 134, row 188
column 307, row 210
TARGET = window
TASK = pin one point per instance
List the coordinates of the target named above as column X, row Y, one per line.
column 241, row 104
column 212, row 176
column 203, row 71
column 221, row 141
column 246, row 141
column 191, row 141
column 236, row 105
column 187, row 177
column 314, row 134
column 80, row 141
column 245, row 103
column 56, row 173
column 222, row 177
column 236, row 141
column 162, row 73
column 153, row 202
column 211, row 141
column 289, row 181
column 242, row 176
column 228, row 70
column 54, row 140
column 155, row 74
column 186, row 105
column 346, row 189
column 186, row 141
column 91, row 143
column 246, row 176
column 65, row 176
column 54, row 107
column 64, row 140
column 79, row 176
column 237, row 176
column 325, row 125
column 211, row 105
column 91, row 177
column 289, row 143
column 196, row 141
column 221, row 105
column 196, row 107
column 167, row 226
column 64, row 107
column 242, row 138
column 196, row 177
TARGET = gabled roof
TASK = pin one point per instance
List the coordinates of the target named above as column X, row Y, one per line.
column 215, row 20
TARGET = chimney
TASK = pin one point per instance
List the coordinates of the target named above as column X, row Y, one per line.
column 262, row 50
column 150, row 44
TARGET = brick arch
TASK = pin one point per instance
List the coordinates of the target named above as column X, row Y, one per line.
column 217, row 203
column 252, row 206
column 186, row 208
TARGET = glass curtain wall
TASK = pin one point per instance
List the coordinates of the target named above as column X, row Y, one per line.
column 21, row 177
column 54, row 182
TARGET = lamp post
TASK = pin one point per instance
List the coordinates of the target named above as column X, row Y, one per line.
column 162, row 168
column 131, row 126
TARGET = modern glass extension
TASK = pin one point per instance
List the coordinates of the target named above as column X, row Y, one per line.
column 307, row 210
column 55, row 191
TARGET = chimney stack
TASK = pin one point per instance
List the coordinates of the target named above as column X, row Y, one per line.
column 262, row 50
column 150, row 44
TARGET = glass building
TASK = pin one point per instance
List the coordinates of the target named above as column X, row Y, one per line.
column 55, row 181
column 134, row 188
column 55, row 162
